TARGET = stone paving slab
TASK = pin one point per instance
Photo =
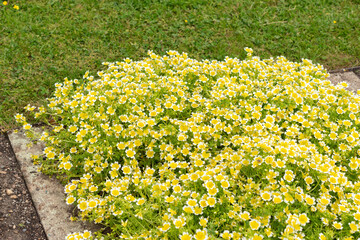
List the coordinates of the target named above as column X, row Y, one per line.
column 350, row 77
column 47, row 193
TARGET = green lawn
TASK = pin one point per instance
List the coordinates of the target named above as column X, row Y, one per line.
column 46, row 41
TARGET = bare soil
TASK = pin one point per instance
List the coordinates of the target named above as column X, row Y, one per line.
column 18, row 217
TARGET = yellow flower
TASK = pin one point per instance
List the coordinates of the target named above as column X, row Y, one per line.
column 225, row 184
column 266, row 196
column 165, row 227
column 324, row 201
column 67, row 166
column 203, row 203
column 203, row 221
column 255, row 224
column 130, row 153
column 322, row 237
column 178, row 223
column 126, row 170
column 182, row 137
column 197, row 210
column 115, row 192
column 245, row 216
column 257, row 237
column 226, row 235
column 188, row 209
column 169, row 199
column 5, row 3
column 213, row 191
column 185, row 236
column 87, row 234
column 209, row 184
column 201, row 235
column 353, row 226
column 92, row 203
column 73, row 129
column 337, row 225
column 50, row 155
column 309, row 200
column 303, row 219
column 141, row 201
column 177, row 188
column 277, row 199
column 83, row 206
column 70, row 200
column 192, row 202
column 211, row 201
column 113, row 173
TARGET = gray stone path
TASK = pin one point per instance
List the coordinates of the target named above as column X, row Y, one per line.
column 350, row 77
column 48, row 194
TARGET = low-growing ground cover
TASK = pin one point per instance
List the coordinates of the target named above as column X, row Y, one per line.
column 174, row 148
column 43, row 41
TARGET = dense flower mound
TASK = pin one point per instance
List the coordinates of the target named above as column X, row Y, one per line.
column 174, row 148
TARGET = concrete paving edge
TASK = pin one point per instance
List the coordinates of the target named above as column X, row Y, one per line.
column 349, row 77
column 47, row 193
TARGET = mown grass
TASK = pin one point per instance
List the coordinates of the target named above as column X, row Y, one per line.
column 45, row 41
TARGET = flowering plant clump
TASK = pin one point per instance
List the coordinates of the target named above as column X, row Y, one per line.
column 174, row 148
